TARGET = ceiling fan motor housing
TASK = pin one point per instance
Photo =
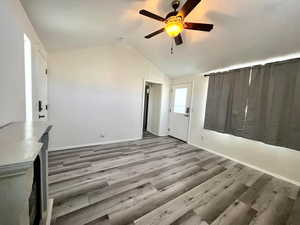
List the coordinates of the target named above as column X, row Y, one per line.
column 174, row 26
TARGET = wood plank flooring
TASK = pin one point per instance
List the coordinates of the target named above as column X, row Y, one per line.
column 163, row 181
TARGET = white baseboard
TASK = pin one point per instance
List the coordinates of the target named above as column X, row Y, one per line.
column 91, row 144
column 154, row 133
column 5, row 125
column 249, row 165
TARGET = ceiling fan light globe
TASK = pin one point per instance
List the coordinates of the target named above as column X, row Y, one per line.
column 174, row 26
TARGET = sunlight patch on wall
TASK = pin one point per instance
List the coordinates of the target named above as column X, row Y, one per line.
column 28, row 78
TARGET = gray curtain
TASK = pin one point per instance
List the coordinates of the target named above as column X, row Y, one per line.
column 218, row 101
column 294, row 123
column 240, row 89
column 282, row 112
column 256, row 118
column 226, row 101
column 266, row 109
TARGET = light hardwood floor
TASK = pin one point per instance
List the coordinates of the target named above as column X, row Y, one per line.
column 163, row 181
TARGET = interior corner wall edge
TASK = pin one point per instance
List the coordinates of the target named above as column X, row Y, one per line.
column 96, row 94
column 13, row 24
column 279, row 161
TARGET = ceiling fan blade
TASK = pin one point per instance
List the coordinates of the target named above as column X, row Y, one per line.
column 155, row 33
column 188, row 7
column 151, row 15
column 199, row 26
column 178, row 39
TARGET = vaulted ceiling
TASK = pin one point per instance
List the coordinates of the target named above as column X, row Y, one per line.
column 245, row 30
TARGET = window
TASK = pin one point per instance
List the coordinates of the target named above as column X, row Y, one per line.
column 28, row 78
column 180, row 100
column 259, row 103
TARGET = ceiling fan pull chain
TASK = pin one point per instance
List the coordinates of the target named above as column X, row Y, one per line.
column 172, row 46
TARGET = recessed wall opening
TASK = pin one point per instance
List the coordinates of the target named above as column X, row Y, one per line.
column 152, row 108
column 28, row 77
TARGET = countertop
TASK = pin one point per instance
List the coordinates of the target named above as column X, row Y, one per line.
column 20, row 144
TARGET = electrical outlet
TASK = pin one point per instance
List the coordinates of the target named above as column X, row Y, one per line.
column 202, row 138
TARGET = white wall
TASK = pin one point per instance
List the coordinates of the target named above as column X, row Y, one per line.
column 282, row 162
column 13, row 24
column 96, row 95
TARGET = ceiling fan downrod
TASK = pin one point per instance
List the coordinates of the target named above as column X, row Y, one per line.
column 175, row 4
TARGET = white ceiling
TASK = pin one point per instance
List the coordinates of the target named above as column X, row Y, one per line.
column 245, row 30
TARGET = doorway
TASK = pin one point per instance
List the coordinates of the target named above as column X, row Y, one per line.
column 152, row 109
column 180, row 111
column 146, row 105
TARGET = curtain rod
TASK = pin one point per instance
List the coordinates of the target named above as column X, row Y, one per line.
column 225, row 71
column 219, row 73
column 254, row 65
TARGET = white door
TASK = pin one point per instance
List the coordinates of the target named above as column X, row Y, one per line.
column 180, row 111
column 39, row 86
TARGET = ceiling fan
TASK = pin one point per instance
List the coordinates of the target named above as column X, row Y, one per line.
column 174, row 21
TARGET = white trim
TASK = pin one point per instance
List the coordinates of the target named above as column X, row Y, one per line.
column 191, row 111
column 155, row 133
column 143, row 103
column 49, row 212
column 5, row 125
column 92, row 144
column 249, row 165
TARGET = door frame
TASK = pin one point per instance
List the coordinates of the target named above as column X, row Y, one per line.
column 146, row 107
column 143, row 102
column 191, row 83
